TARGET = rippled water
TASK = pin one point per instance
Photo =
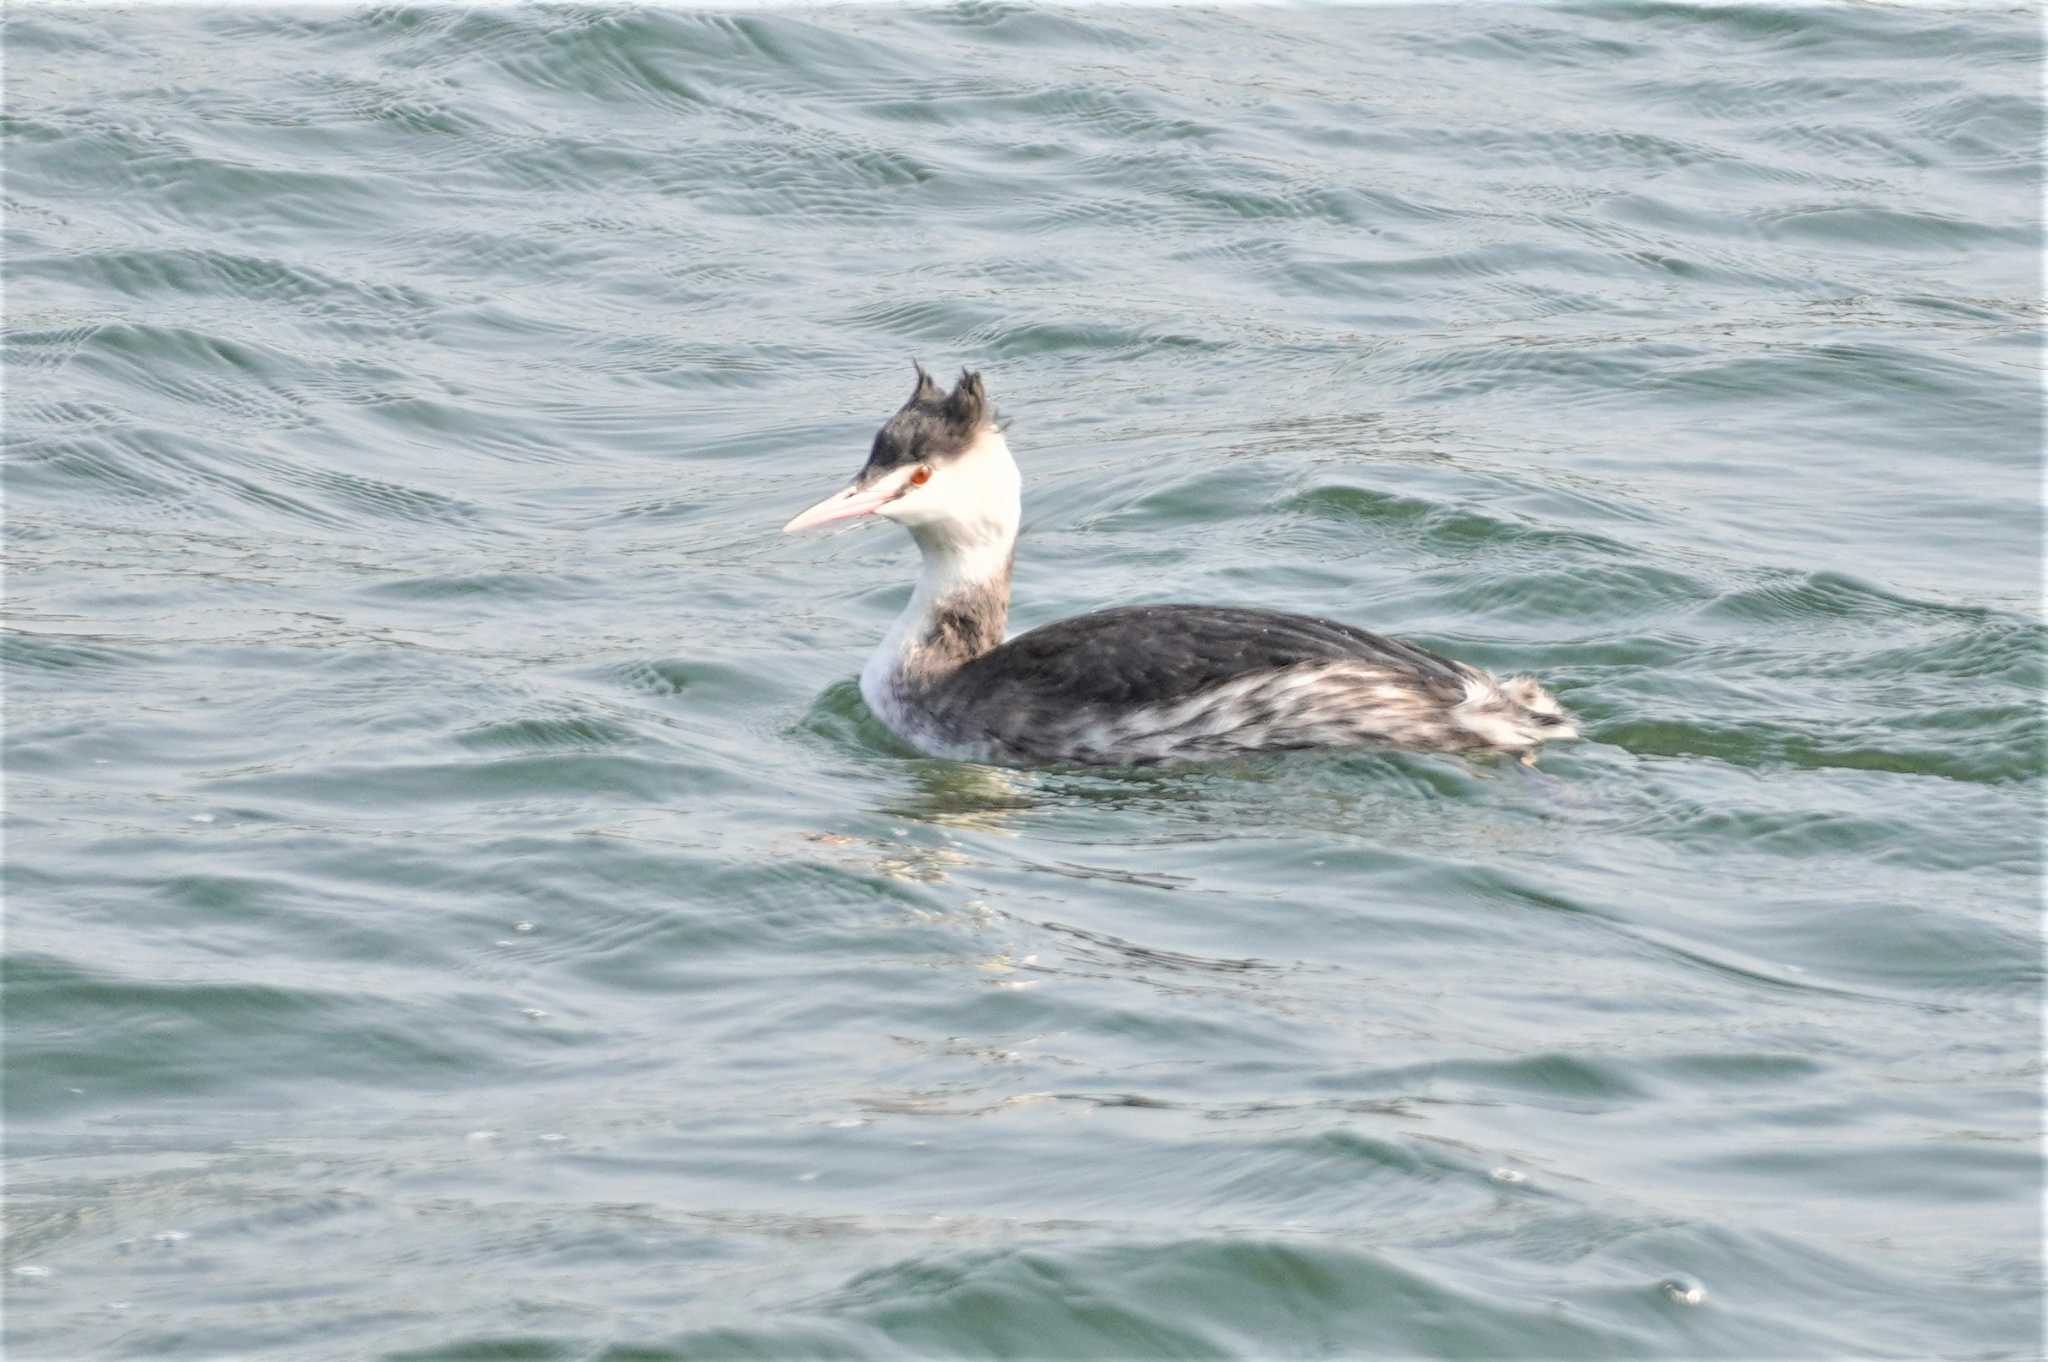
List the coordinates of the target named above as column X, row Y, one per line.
column 458, row 906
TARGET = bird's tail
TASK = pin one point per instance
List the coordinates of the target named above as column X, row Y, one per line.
column 1516, row 715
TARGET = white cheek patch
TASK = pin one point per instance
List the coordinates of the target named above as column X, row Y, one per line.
column 953, row 494
column 970, row 499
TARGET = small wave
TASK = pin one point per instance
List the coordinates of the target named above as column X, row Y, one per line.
column 232, row 1031
column 620, row 58
column 1031, row 26
column 1886, row 229
column 546, row 734
column 571, row 776
column 464, row 589
column 25, row 653
column 1833, row 597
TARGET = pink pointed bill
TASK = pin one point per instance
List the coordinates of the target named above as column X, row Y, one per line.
column 848, row 503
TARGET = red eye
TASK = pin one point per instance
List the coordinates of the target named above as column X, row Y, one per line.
column 922, row 476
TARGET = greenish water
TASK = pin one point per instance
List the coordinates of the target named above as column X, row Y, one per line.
column 457, row 906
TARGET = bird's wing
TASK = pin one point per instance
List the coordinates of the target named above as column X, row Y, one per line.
column 1151, row 654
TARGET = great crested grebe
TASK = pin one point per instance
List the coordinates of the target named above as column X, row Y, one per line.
column 1134, row 685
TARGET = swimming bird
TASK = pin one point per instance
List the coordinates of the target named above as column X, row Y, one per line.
column 1131, row 685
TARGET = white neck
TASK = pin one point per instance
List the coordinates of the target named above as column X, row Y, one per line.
column 967, row 534
column 952, row 567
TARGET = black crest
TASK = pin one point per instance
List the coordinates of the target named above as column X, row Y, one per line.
column 934, row 425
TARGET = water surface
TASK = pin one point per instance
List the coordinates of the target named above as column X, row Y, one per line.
column 458, row 907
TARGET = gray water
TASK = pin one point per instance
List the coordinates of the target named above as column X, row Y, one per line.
column 458, row 907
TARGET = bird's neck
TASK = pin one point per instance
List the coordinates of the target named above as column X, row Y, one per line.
column 956, row 613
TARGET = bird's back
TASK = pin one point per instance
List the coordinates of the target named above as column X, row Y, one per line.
column 1140, row 684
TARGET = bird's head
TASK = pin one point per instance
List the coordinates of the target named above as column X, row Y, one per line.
column 939, row 467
